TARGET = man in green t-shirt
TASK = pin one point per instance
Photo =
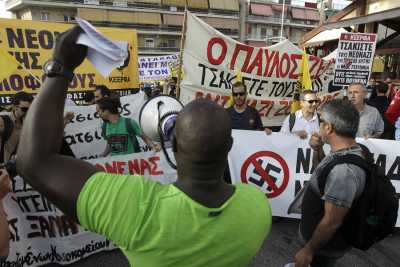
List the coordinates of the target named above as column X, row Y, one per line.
column 198, row 221
column 120, row 132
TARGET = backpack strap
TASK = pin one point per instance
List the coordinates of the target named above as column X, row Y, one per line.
column 292, row 120
column 132, row 134
column 104, row 130
column 349, row 159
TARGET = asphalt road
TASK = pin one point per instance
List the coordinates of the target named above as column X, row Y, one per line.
column 279, row 249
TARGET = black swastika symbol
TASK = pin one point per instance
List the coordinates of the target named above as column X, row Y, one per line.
column 268, row 169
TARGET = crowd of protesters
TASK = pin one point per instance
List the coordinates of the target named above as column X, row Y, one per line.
column 144, row 223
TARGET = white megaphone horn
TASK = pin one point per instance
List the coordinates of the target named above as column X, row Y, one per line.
column 157, row 120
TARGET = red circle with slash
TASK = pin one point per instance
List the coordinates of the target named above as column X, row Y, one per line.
column 253, row 161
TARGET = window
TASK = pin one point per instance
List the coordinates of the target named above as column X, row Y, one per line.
column 149, row 43
column 275, row 32
column 44, row 16
column 171, row 43
column 263, row 32
column 68, row 18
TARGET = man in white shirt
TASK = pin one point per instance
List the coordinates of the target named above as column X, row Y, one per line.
column 305, row 121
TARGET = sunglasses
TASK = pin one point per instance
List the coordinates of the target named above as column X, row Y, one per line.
column 238, row 94
column 24, row 109
column 312, row 101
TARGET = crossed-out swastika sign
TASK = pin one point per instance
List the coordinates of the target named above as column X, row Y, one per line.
column 267, row 170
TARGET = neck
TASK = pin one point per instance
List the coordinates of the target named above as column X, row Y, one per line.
column 307, row 115
column 114, row 118
column 360, row 107
column 339, row 143
column 240, row 108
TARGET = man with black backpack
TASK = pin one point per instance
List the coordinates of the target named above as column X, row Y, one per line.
column 305, row 121
column 345, row 202
column 120, row 132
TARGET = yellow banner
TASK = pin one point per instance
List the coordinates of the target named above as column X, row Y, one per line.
column 31, row 43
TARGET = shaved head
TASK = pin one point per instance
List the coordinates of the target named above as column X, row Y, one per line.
column 203, row 132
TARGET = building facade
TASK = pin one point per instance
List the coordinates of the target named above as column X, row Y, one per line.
column 159, row 22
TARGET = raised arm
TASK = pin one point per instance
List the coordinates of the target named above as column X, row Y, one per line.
column 59, row 178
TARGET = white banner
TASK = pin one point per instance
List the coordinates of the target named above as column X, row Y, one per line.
column 354, row 58
column 211, row 62
column 280, row 164
column 83, row 134
column 41, row 233
column 157, row 68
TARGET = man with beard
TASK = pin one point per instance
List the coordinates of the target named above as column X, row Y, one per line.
column 11, row 125
column 242, row 115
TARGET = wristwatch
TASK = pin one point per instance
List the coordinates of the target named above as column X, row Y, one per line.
column 54, row 68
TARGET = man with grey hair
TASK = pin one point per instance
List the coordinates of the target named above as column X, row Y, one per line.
column 323, row 212
column 305, row 121
column 371, row 122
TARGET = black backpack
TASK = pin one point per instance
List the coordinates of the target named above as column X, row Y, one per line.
column 129, row 129
column 373, row 215
column 292, row 120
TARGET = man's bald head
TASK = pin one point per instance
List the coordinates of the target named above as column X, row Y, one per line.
column 203, row 132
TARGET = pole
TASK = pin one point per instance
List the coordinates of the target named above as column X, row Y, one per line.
column 283, row 14
column 242, row 20
column 183, row 39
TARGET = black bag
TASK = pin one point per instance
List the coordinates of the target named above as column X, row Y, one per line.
column 373, row 215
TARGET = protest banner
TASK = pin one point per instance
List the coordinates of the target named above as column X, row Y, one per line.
column 40, row 233
column 157, row 68
column 281, row 164
column 354, row 58
column 31, row 43
column 83, row 133
column 212, row 61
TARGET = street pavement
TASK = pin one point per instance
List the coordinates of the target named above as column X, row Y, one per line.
column 279, row 249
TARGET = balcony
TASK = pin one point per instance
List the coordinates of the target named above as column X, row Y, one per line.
column 286, row 21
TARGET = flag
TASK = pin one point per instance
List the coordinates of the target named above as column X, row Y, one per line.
column 229, row 103
column 8, row 64
column 303, row 82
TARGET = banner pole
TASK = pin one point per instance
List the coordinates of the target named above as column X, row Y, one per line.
column 183, row 39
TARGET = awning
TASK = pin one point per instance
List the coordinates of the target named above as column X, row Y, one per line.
column 312, row 15
column 134, row 17
column 203, row 4
column 221, row 23
column 92, row 14
column 279, row 8
column 257, row 43
column 263, row 10
column 331, row 56
column 173, row 20
column 174, row 2
column 146, row 1
column 299, row 13
column 375, row 17
column 232, row 5
column 325, row 36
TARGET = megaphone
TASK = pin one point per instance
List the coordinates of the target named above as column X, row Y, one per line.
column 157, row 120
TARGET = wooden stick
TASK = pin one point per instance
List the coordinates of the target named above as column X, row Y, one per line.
column 183, row 39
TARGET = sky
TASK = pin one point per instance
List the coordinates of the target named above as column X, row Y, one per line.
column 3, row 13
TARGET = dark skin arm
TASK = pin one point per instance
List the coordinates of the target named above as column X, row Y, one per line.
column 57, row 177
column 326, row 228
column 318, row 152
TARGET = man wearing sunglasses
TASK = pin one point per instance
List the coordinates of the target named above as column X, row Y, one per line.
column 243, row 116
column 305, row 121
column 21, row 102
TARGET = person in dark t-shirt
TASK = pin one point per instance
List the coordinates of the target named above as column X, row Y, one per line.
column 243, row 116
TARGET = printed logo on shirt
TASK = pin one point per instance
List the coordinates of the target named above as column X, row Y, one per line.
column 118, row 143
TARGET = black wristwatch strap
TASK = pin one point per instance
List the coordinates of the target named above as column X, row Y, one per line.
column 57, row 70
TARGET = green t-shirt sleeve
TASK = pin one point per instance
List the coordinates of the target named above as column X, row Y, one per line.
column 115, row 206
column 135, row 127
